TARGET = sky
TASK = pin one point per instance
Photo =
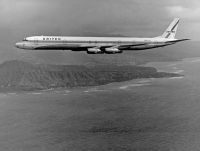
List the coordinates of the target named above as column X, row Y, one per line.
column 136, row 18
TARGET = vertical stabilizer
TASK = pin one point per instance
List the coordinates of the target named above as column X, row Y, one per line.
column 170, row 32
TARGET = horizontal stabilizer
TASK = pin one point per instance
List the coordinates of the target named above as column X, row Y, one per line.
column 179, row 40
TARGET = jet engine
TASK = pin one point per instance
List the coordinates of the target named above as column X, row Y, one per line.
column 94, row 51
column 112, row 50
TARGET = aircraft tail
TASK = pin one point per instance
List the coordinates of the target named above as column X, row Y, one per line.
column 170, row 32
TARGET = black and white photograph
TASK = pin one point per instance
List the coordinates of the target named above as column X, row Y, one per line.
column 99, row 75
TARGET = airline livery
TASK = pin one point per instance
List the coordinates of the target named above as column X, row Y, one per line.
column 99, row 45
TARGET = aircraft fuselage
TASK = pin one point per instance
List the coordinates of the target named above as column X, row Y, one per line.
column 98, row 45
column 83, row 43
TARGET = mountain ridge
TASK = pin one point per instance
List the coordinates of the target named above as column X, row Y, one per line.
column 19, row 75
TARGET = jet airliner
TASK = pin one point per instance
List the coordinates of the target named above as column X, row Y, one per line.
column 99, row 45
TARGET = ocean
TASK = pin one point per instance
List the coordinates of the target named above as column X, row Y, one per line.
column 143, row 114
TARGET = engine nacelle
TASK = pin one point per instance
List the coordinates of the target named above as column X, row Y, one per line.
column 94, row 51
column 112, row 50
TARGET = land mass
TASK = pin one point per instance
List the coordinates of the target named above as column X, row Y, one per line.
column 23, row 76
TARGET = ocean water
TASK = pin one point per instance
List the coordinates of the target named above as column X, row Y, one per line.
column 143, row 115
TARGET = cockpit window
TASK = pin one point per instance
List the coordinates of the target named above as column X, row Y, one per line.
column 25, row 39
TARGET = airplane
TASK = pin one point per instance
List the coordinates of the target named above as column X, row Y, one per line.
column 100, row 45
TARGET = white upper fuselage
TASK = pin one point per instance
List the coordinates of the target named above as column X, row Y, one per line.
column 59, row 39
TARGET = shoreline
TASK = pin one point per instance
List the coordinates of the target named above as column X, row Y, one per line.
column 161, row 67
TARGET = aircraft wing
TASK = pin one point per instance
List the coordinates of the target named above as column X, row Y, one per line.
column 122, row 46
column 131, row 45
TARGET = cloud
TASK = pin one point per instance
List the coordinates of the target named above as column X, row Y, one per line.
column 183, row 12
column 189, row 12
column 80, row 17
column 187, row 9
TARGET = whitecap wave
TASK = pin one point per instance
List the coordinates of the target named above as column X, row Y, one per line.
column 36, row 93
column 173, row 78
column 178, row 71
column 93, row 90
column 143, row 81
column 133, row 85
column 193, row 61
column 67, row 91
column 171, row 65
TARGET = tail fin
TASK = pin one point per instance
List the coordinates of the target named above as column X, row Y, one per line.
column 170, row 32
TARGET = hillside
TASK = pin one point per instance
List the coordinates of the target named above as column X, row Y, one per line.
column 19, row 75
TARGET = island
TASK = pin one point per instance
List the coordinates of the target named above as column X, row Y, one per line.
column 18, row 75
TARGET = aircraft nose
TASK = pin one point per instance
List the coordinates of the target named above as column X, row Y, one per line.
column 19, row 45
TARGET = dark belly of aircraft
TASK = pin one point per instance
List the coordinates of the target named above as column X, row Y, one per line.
column 82, row 48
